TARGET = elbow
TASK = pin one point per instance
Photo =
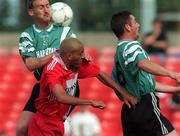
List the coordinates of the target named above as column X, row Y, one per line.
column 62, row 100
column 30, row 68
column 32, row 64
column 140, row 64
column 143, row 64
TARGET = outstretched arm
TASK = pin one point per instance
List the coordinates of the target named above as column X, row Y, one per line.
column 167, row 88
column 63, row 97
column 128, row 99
column 156, row 69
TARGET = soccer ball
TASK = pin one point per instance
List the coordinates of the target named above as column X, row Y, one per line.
column 61, row 14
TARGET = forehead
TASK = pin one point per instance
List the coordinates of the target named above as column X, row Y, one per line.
column 132, row 17
column 40, row 2
column 80, row 48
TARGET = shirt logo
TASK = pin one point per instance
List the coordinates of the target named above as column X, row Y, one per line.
column 71, row 85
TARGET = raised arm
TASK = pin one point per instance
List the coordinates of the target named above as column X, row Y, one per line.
column 128, row 99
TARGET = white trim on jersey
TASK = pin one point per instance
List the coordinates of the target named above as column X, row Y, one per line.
column 56, row 59
column 121, row 42
column 24, row 49
column 133, row 42
column 73, row 35
column 39, row 30
column 51, row 65
column 25, row 44
column 131, row 50
column 157, row 113
column 31, row 49
column 59, row 60
column 64, row 33
column 26, row 35
column 36, row 29
column 50, row 28
column 133, row 57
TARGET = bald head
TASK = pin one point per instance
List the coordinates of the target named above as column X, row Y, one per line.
column 70, row 45
column 72, row 52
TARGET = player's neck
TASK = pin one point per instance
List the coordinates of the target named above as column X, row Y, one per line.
column 42, row 25
column 126, row 37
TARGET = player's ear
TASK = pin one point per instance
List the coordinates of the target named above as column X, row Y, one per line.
column 30, row 12
column 69, row 56
column 127, row 27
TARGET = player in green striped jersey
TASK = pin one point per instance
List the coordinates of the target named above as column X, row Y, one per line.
column 134, row 71
column 36, row 46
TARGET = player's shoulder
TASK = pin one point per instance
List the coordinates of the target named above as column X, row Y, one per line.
column 28, row 29
column 52, row 64
column 65, row 31
column 129, row 45
column 56, row 63
column 27, row 32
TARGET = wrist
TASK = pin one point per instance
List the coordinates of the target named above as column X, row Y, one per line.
column 91, row 102
column 170, row 74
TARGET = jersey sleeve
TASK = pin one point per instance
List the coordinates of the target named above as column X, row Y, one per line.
column 88, row 69
column 66, row 33
column 70, row 33
column 53, row 74
column 26, row 45
column 132, row 55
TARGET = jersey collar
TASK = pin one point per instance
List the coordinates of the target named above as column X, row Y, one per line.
column 40, row 30
column 120, row 42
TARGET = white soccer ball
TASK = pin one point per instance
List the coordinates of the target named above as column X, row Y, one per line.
column 61, row 14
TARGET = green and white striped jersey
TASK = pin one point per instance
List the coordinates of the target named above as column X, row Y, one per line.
column 34, row 42
column 136, row 81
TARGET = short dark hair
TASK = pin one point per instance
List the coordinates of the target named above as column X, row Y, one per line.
column 118, row 22
column 29, row 4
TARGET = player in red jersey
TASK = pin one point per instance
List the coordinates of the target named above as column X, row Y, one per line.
column 58, row 86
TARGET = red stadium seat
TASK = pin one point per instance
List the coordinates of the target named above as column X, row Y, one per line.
column 108, row 51
column 168, row 81
column 111, row 128
column 173, row 66
column 92, row 52
column 155, row 58
column 173, row 51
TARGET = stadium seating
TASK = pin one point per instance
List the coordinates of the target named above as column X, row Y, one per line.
column 156, row 59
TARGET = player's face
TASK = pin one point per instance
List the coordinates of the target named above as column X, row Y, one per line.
column 77, row 57
column 134, row 27
column 41, row 11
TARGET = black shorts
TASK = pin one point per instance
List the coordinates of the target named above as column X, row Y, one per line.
column 30, row 105
column 145, row 119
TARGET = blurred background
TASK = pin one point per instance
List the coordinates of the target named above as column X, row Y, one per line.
column 92, row 24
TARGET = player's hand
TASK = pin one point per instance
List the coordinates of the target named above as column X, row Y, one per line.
column 178, row 81
column 98, row 104
column 130, row 100
column 175, row 76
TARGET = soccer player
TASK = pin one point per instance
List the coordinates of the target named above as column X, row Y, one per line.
column 58, row 86
column 134, row 71
column 36, row 45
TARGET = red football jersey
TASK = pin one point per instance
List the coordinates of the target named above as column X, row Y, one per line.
column 55, row 72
